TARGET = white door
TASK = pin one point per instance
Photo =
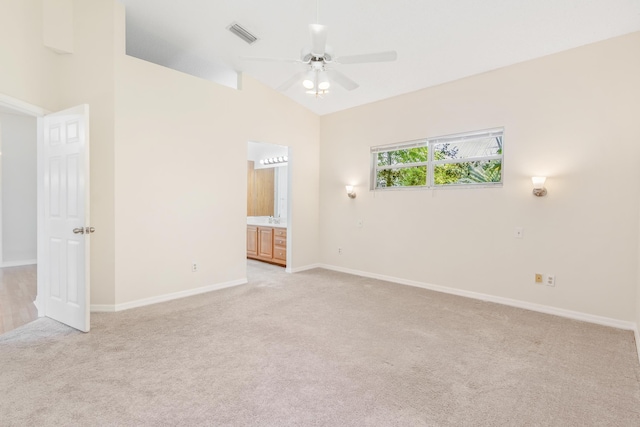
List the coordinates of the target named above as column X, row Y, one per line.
column 66, row 217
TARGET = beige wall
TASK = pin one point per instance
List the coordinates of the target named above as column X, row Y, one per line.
column 181, row 155
column 168, row 174
column 168, row 154
column 87, row 77
column 571, row 117
column 637, row 319
column 35, row 74
column 26, row 63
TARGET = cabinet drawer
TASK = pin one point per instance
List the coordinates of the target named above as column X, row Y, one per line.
column 280, row 253
column 280, row 232
column 280, row 241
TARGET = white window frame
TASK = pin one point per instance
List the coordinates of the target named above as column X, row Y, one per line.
column 431, row 163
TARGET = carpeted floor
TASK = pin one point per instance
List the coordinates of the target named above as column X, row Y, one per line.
column 320, row 348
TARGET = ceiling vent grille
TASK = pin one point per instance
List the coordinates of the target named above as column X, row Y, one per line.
column 242, row 32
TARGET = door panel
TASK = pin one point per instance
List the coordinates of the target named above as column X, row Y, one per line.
column 66, row 207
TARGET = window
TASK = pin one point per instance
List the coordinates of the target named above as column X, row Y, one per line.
column 468, row 159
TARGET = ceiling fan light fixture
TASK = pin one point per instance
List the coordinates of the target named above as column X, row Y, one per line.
column 309, row 80
column 323, row 81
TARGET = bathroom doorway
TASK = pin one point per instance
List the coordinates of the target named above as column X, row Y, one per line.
column 268, row 203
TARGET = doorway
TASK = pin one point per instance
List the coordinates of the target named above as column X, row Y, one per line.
column 18, row 218
column 268, row 203
column 62, row 210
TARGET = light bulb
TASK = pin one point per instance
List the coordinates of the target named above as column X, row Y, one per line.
column 323, row 81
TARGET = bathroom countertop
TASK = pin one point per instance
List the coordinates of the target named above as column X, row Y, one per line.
column 264, row 221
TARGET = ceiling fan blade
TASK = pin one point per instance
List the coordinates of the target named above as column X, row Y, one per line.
column 388, row 56
column 293, row 80
column 342, row 80
column 318, row 39
column 255, row 58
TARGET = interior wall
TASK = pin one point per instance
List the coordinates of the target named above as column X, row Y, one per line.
column 19, row 188
column 35, row 74
column 570, row 116
column 181, row 182
column 87, row 77
column 26, row 64
column 637, row 320
column 172, row 200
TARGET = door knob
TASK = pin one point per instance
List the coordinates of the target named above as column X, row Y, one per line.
column 79, row 230
column 90, row 230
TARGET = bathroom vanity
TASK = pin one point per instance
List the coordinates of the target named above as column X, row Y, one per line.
column 267, row 242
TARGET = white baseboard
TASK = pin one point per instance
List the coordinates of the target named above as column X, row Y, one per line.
column 18, row 263
column 304, row 268
column 576, row 315
column 110, row 308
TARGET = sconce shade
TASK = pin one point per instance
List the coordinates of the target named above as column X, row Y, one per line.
column 538, row 181
column 350, row 192
column 538, row 185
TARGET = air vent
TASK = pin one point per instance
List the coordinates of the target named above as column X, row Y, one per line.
column 243, row 33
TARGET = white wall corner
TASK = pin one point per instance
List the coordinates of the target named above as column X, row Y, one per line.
column 57, row 25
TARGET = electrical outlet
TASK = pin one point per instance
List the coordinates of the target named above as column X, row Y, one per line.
column 551, row 280
column 194, row 267
column 538, row 278
column 339, row 251
column 518, row 232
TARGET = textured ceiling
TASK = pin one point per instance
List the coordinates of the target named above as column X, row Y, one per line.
column 437, row 40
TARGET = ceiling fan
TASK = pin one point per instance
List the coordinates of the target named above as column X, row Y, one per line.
column 319, row 61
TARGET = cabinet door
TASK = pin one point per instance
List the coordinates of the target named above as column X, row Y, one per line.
column 252, row 241
column 265, row 244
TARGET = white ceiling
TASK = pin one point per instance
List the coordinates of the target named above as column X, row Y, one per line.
column 437, row 40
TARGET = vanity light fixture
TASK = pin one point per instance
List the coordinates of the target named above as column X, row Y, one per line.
column 350, row 191
column 538, row 185
column 274, row 160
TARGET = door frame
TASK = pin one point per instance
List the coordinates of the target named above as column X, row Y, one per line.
column 39, row 113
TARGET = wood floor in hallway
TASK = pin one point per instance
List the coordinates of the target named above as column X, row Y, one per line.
column 18, row 287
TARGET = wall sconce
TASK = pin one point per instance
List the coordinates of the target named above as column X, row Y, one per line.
column 538, row 185
column 350, row 191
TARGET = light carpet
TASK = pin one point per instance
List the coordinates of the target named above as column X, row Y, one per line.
column 320, row 348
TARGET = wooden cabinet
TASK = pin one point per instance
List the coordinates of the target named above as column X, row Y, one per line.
column 267, row 244
column 280, row 245
column 252, row 241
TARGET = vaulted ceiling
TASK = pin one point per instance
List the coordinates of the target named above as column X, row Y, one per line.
column 436, row 40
